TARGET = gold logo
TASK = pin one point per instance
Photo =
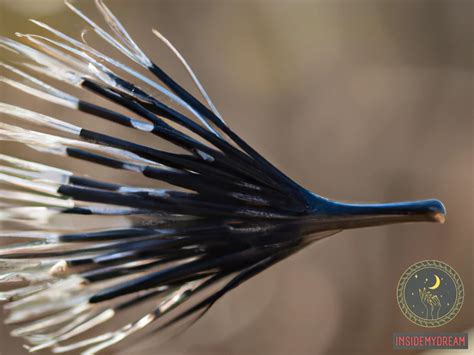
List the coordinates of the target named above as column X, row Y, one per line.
column 430, row 293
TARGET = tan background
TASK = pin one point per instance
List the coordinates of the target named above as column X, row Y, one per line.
column 357, row 100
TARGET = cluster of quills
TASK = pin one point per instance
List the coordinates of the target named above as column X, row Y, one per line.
column 226, row 215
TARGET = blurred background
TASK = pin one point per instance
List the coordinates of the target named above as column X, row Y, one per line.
column 356, row 100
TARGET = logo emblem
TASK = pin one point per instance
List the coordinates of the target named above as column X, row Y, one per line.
column 430, row 293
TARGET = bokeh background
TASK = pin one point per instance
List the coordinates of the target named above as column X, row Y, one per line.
column 356, row 100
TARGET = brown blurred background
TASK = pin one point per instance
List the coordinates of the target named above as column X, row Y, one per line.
column 356, row 100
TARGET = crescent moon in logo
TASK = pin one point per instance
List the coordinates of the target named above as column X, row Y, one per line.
column 436, row 284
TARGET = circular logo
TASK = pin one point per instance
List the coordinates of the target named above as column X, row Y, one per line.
column 430, row 293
